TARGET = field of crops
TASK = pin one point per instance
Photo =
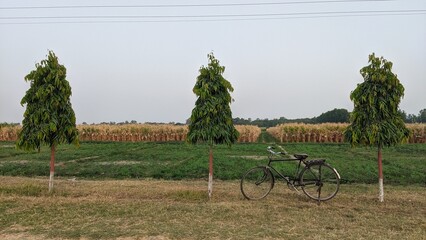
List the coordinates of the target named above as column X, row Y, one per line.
column 292, row 132
column 132, row 133
column 9, row 132
column 330, row 132
column 135, row 133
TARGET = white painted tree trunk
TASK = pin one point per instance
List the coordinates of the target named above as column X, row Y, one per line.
column 210, row 186
column 381, row 191
column 51, row 181
column 52, row 167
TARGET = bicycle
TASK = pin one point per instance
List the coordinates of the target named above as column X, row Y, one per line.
column 317, row 179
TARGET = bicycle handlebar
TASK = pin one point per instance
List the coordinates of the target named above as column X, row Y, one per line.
column 269, row 149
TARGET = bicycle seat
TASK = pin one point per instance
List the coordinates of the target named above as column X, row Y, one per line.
column 301, row 156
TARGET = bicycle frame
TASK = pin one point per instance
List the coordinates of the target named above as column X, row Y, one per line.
column 288, row 179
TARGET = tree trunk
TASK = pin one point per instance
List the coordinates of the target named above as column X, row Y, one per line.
column 52, row 167
column 379, row 160
column 210, row 186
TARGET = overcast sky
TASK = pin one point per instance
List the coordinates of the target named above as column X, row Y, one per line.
column 292, row 59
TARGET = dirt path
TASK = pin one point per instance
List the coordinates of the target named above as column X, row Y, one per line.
column 265, row 137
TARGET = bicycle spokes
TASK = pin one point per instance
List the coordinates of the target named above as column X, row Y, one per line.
column 263, row 177
column 257, row 183
column 320, row 182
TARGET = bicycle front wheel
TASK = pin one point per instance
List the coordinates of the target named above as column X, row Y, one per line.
column 257, row 183
column 320, row 181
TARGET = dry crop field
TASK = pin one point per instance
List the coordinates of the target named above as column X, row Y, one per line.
column 156, row 209
column 135, row 132
column 330, row 132
column 290, row 132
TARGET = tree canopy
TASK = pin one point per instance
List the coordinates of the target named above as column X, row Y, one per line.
column 375, row 120
column 49, row 118
column 211, row 118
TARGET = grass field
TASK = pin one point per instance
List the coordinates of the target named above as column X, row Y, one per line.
column 119, row 190
column 159, row 209
column 404, row 164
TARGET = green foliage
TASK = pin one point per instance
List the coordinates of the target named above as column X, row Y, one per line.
column 422, row 116
column 333, row 116
column 49, row 118
column 211, row 119
column 375, row 120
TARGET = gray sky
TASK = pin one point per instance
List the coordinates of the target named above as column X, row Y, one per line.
column 294, row 65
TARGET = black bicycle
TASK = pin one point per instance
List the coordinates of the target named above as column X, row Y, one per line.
column 317, row 179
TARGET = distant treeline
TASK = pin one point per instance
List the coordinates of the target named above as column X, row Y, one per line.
column 8, row 124
column 411, row 118
column 333, row 116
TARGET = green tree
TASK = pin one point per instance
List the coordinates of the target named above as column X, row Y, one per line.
column 375, row 120
column 49, row 118
column 411, row 118
column 211, row 118
column 422, row 116
column 334, row 116
column 403, row 115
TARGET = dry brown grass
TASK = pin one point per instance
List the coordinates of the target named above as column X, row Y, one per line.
column 153, row 209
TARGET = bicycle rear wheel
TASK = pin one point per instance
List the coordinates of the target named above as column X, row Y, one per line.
column 320, row 181
column 257, row 183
